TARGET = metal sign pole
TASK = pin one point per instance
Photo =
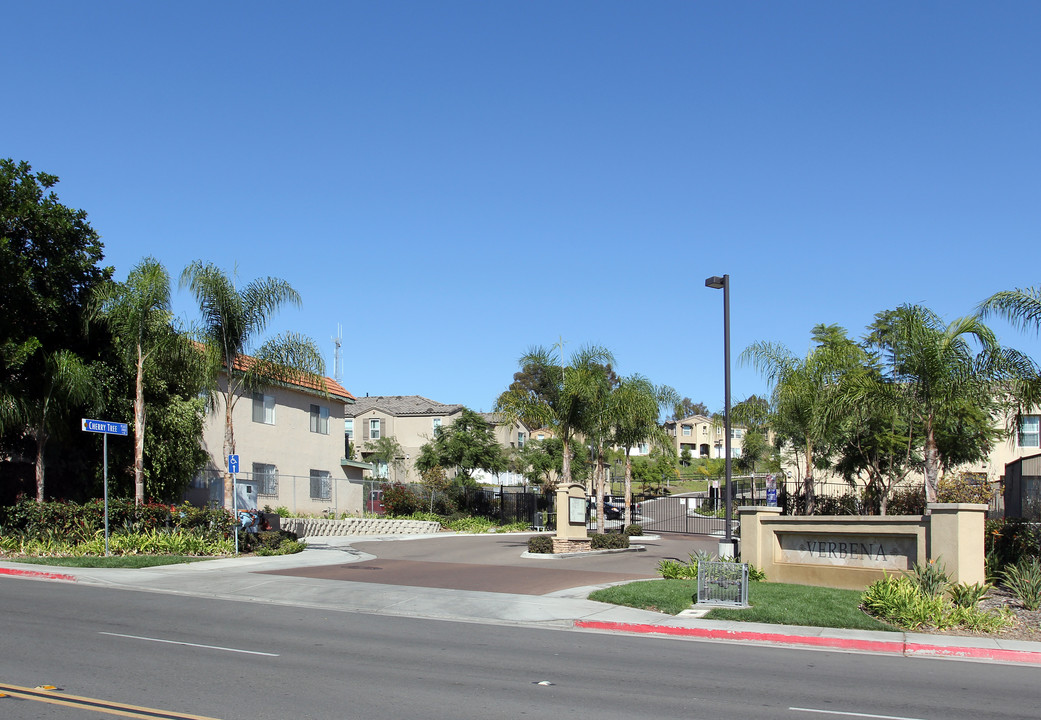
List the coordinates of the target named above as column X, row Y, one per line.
column 235, row 512
column 104, row 443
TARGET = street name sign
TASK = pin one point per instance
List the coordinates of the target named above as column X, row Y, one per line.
column 104, row 426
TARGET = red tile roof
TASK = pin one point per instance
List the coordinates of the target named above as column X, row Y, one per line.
column 242, row 362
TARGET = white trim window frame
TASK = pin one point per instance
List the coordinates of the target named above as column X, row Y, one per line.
column 263, row 408
column 265, row 475
column 320, row 419
column 1029, row 435
column 321, row 485
column 374, row 428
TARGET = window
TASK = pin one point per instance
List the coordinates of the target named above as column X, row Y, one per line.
column 380, row 469
column 541, row 436
column 319, row 419
column 348, row 429
column 687, row 429
column 437, row 423
column 266, row 478
column 1030, row 431
column 374, row 429
column 643, row 449
column 263, row 408
column 520, row 438
column 737, row 433
column 321, row 485
column 704, row 431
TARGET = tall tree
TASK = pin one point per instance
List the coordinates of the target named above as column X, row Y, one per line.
column 232, row 320
column 636, row 406
column 546, row 393
column 940, row 381
column 467, row 444
column 685, row 407
column 541, row 462
column 49, row 266
column 138, row 314
column 1022, row 308
column 67, row 382
column 805, row 393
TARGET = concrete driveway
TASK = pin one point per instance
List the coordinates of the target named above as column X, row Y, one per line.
column 494, row 563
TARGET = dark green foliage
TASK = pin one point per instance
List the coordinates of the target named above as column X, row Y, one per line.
column 467, row 444
column 907, row 501
column 634, row 529
column 78, row 523
column 540, row 544
column 613, row 541
column 399, row 499
column 268, row 542
column 1009, row 540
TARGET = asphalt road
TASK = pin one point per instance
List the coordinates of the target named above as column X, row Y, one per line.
column 225, row 659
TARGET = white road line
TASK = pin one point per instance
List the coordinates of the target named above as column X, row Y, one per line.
column 188, row 644
column 853, row 714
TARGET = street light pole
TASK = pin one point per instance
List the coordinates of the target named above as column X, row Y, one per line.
column 726, row 547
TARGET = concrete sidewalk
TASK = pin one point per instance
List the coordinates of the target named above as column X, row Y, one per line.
column 257, row 579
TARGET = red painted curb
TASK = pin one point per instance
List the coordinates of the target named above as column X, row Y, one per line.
column 894, row 646
column 37, row 574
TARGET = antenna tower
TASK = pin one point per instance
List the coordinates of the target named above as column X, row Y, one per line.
column 338, row 356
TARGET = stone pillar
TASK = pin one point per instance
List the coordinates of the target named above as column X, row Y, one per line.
column 754, row 542
column 956, row 539
column 571, row 520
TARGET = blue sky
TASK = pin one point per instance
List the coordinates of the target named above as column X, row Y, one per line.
column 455, row 182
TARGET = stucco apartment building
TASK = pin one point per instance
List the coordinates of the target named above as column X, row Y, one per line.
column 703, row 437
column 411, row 421
column 290, row 443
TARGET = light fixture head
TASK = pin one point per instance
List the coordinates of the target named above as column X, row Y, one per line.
column 715, row 282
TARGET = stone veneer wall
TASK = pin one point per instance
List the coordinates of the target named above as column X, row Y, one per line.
column 317, row 527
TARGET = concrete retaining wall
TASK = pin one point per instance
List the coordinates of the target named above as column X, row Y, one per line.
column 317, row 527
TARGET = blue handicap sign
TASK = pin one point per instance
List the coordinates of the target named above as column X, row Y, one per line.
column 233, row 463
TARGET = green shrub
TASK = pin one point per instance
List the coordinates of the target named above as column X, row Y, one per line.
column 676, row 570
column 399, row 500
column 907, row 501
column 471, row 524
column 1007, row 541
column 1024, row 581
column 540, row 544
column 931, row 578
column 902, row 602
column 634, row 530
column 968, row 596
column 287, row 546
column 604, row 541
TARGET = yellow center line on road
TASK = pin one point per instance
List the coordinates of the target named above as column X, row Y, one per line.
column 101, row 706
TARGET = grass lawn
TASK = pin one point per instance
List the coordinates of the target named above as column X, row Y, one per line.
column 113, row 561
column 776, row 603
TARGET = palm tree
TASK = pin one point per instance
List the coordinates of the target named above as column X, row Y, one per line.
column 636, row 405
column 138, row 314
column 545, row 393
column 937, row 377
column 231, row 322
column 1022, row 308
column 64, row 381
column 805, row 393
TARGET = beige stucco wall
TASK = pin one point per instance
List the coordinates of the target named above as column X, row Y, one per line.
column 289, row 445
column 951, row 534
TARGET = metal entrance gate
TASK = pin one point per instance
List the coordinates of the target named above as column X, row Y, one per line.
column 691, row 514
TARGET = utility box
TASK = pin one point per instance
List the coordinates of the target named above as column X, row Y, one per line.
column 246, row 495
